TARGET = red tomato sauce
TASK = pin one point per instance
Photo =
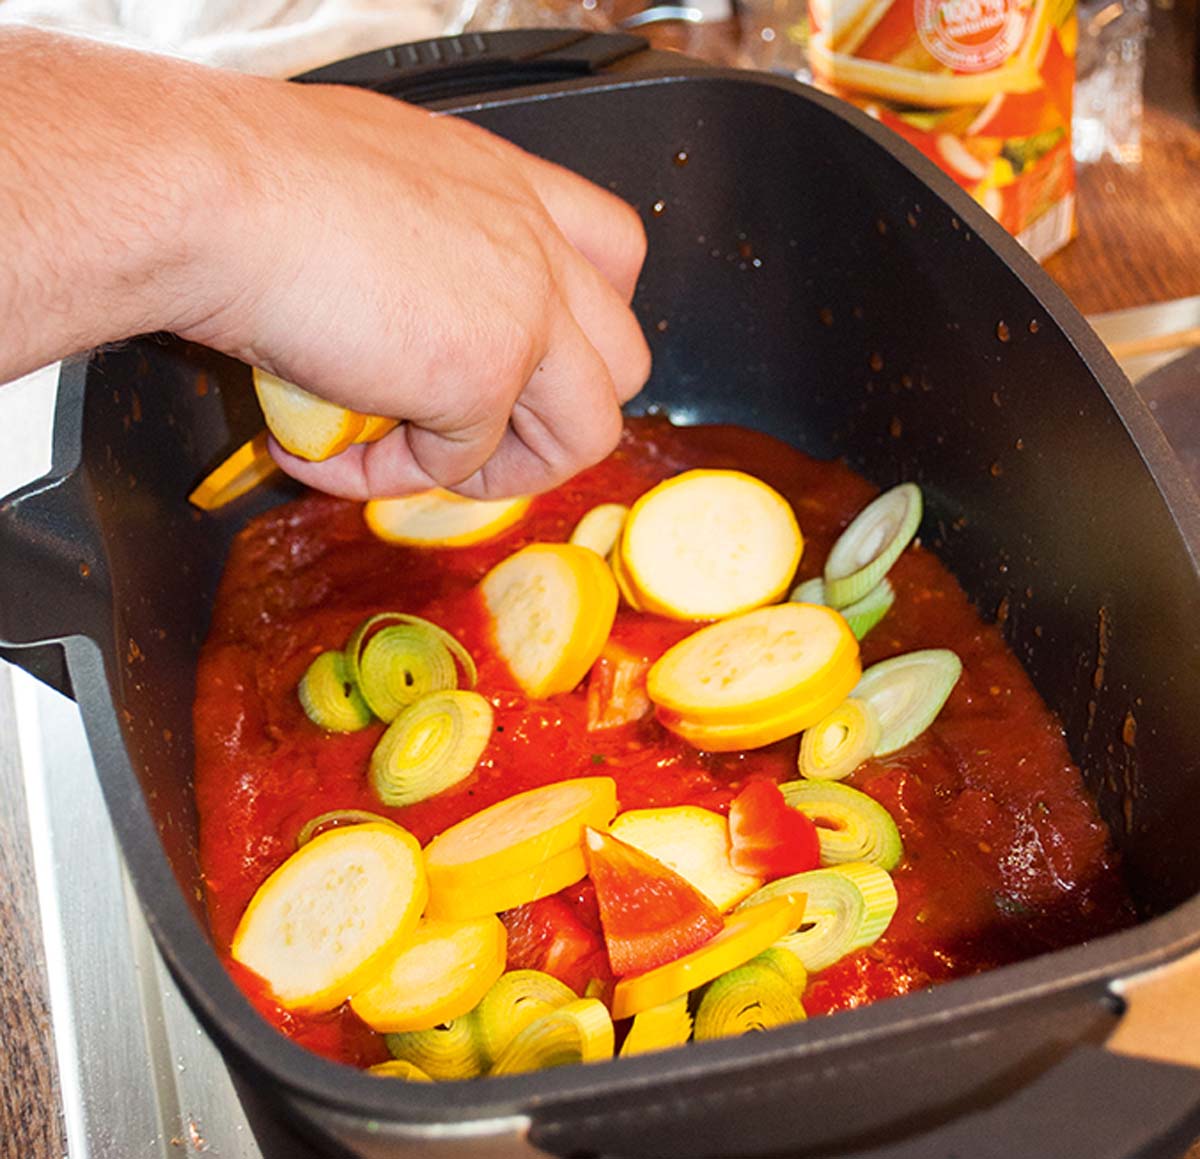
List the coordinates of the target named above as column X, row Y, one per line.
column 1005, row 854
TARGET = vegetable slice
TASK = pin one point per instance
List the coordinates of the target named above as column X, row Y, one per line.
column 650, row 915
column 624, row 584
column 580, row 1031
column 601, row 527
column 395, row 658
column 338, row 817
column 449, row 1050
column 767, row 839
column 518, row 998
column 871, row 543
column 374, row 428
column 302, row 423
column 321, row 925
column 851, row 826
column 907, row 692
column 747, row 932
column 330, row 697
column 707, row 544
column 659, row 1028
column 752, row 667
column 438, row 518
column 616, row 689
column 522, row 848
column 849, row 906
column 398, row 1068
column 838, row 743
column 862, row 615
column 248, row 466
column 750, row 998
column 440, row 973
column 552, row 606
column 432, row 745
column 692, row 841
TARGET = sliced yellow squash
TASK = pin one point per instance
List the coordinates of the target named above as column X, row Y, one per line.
column 708, row 544
column 439, row 973
column 601, row 527
column 399, row 1068
column 438, row 518
column 374, row 428
column 326, row 920
column 659, row 1028
column 624, row 584
column 692, row 841
column 552, row 607
column 248, row 466
column 738, row 942
column 522, row 848
column 307, row 426
column 755, row 665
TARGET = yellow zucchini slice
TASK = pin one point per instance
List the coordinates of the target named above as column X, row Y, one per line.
column 659, row 1028
column 747, row 932
column 692, row 841
column 708, row 544
column 307, row 426
column 374, row 428
column 601, row 527
column 522, row 848
column 552, row 607
column 325, row 921
column 399, row 1068
column 440, row 973
column 438, row 518
column 624, row 584
column 248, row 466
column 755, row 665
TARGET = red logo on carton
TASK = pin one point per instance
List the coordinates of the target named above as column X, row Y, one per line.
column 971, row 35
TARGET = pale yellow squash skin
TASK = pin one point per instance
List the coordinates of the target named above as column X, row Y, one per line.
column 438, row 518
column 320, row 927
column 307, row 426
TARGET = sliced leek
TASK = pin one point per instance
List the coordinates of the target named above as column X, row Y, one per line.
column 851, row 826
column 838, row 743
column 659, row 1028
column 847, row 907
column 516, row 999
column 395, row 658
column 870, row 545
column 753, row 997
column 787, row 965
column 449, row 1051
column 338, row 817
column 600, row 528
column 862, row 615
column 907, row 692
column 330, row 697
column 431, row 746
column 580, row 1031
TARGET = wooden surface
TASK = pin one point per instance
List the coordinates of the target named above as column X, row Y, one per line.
column 1139, row 242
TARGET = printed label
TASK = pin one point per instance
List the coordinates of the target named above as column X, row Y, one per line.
column 971, row 35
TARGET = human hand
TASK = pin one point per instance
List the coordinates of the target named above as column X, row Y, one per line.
column 419, row 267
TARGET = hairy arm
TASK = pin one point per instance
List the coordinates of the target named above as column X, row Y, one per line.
column 387, row 259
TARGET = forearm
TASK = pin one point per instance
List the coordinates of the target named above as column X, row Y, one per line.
column 107, row 175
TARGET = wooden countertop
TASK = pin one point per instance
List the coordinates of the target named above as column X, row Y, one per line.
column 1138, row 243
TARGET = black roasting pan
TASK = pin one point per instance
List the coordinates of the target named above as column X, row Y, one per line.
column 811, row 276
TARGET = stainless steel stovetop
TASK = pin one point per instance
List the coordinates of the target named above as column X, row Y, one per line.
column 139, row 1078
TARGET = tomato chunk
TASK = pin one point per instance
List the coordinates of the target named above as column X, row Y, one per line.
column 768, row 838
column 650, row 914
column 548, row 935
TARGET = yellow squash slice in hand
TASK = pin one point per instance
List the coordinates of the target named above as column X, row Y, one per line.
column 325, row 921
column 522, row 848
column 441, row 972
column 708, row 544
column 438, row 518
column 552, row 607
column 307, row 426
column 755, row 678
column 692, row 841
column 747, row 932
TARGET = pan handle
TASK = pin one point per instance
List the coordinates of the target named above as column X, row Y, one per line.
column 53, row 571
column 479, row 62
